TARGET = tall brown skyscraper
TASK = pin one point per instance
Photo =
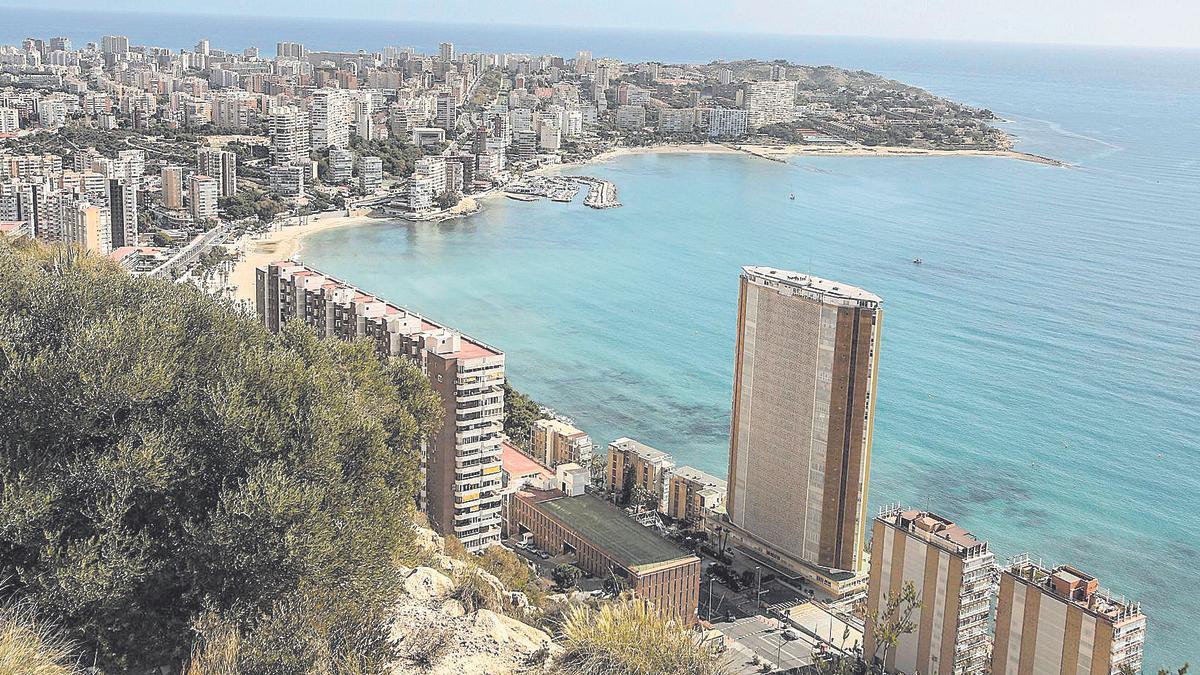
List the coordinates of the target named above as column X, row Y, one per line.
column 803, row 412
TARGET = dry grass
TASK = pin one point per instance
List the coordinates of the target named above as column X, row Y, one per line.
column 215, row 651
column 426, row 646
column 629, row 637
column 28, row 647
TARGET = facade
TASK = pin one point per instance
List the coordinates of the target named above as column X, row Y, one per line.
column 427, row 182
column 9, row 120
column 462, row 459
column 636, row 465
column 770, row 101
column 123, row 212
column 727, row 123
column 330, row 115
column 370, row 174
column 691, row 492
column 554, row 442
column 423, row 136
column 287, row 180
column 676, row 120
column 172, row 187
column 1059, row 621
column 341, row 165
column 803, row 413
column 290, row 136
column 631, row 117
column 954, row 576
column 219, row 164
column 446, row 116
column 202, row 195
column 605, row 542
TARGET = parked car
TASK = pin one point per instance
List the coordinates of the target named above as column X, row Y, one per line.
column 543, row 555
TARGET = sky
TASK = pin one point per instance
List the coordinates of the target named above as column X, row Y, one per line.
column 1147, row 23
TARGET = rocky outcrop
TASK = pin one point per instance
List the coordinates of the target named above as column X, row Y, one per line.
column 437, row 636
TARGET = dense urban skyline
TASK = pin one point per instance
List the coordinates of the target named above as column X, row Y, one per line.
column 1103, row 22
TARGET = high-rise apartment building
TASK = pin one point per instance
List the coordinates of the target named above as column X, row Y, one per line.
column 554, row 442
column 462, row 458
column 203, row 194
column 446, row 113
column 803, row 412
column 114, row 44
column 9, row 120
column 289, row 50
column 123, row 212
column 769, row 101
column 953, row 574
column 1060, row 622
column 370, row 174
column 341, row 165
column 330, row 114
column 446, row 52
column 219, row 164
column 172, row 187
column 289, row 136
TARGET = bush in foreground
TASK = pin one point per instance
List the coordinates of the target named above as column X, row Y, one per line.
column 163, row 459
column 628, row 637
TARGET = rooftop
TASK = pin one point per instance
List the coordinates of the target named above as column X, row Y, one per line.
column 696, row 475
column 560, row 427
column 517, row 464
column 640, row 449
column 471, row 348
column 607, row 528
column 935, row 529
column 1071, row 585
column 806, row 282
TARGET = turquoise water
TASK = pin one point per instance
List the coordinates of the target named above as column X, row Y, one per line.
column 1038, row 373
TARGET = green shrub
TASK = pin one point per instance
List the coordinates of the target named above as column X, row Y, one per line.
column 629, row 637
column 162, row 456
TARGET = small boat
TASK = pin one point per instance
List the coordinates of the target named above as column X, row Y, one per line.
column 918, row 261
column 792, row 196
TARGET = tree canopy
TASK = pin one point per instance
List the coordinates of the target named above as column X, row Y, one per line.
column 165, row 460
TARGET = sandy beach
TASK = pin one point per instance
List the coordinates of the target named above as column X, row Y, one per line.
column 281, row 244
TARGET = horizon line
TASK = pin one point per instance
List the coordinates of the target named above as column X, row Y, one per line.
column 701, row 31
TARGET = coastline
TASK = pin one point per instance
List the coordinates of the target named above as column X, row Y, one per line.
column 287, row 242
column 281, row 244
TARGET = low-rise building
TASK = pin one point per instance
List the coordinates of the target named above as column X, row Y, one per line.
column 553, row 442
column 604, row 542
column 632, row 464
column 691, row 492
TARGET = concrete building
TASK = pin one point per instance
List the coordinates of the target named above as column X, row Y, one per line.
column 330, row 116
column 123, row 212
column 9, row 120
column 605, row 542
column 954, row 577
column 287, row 180
column 554, row 442
column 636, row 465
column 427, row 183
column 462, row 459
column 203, row 193
column 805, row 371
column 446, row 52
column 631, row 117
column 370, row 174
column 446, row 113
column 172, row 187
column 691, row 492
column 727, row 123
column 423, row 136
column 769, row 101
column 1060, row 622
column 290, row 136
column 341, row 165
column 676, row 120
column 219, row 164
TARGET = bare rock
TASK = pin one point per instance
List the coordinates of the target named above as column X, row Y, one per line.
column 426, row 583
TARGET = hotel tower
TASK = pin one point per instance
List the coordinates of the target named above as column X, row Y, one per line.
column 803, row 410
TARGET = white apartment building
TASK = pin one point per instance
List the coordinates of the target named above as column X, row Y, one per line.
column 287, row 180
column 9, row 121
column 289, row 135
column 330, row 115
column 727, row 122
column 370, row 174
column 341, row 165
column 219, row 164
column 676, row 120
column 427, row 182
column 631, row 117
column 769, row 101
column 203, row 193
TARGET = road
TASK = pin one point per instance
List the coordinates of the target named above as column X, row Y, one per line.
column 194, row 249
column 764, row 638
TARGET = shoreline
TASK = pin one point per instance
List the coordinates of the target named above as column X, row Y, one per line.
column 284, row 243
column 287, row 242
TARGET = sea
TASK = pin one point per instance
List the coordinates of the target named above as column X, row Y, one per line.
column 1039, row 373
